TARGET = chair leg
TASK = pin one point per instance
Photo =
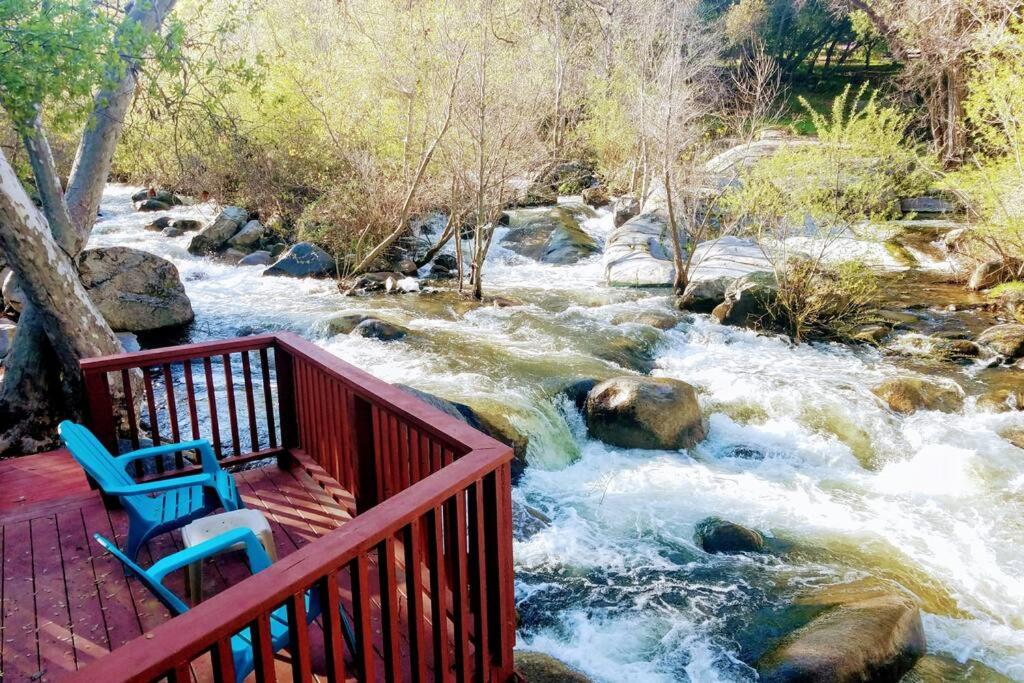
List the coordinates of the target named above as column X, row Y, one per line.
column 136, row 539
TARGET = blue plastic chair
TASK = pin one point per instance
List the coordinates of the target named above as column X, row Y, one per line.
column 155, row 507
column 241, row 643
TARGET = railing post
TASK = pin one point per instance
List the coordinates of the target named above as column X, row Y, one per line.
column 285, row 371
column 99, row 414
column 366, row 455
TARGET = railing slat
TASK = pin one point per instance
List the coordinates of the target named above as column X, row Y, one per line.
column 364, row 632
column 154, row 427
column 456, row 519
column 479, row 597
column 129, row 403
column 229, row 389
column 334, row 643
column 438, row 594
column 223, row 662
column 389, row 607
column 250, row 402
column 263, row 651
column 190, row 390
column 268, row 399
column 298, row 647
column 172, row 413
column 414, row 562
column 211, row 399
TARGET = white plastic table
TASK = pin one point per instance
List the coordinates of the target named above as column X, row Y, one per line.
column 208, row 527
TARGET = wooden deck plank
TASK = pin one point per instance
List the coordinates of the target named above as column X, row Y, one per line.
column 21, row 645
column 53, row 620
column 33, row 479
column 88, row 625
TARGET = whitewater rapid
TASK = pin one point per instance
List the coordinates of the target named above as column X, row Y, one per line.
column 797, row 446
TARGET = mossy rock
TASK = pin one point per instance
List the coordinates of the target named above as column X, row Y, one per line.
column 537, row 667
column 716, row 535
column 907, row 395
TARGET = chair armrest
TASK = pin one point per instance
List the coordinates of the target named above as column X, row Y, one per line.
column 158, row 486
column 256, row 555
column 152, row 451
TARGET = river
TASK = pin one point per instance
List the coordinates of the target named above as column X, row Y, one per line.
column 797, row 447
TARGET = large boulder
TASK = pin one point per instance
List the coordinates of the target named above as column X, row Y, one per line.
column 995, row 272
column 1006, row 340
column 303, row 260
column 213, row 238
column 862, row 633
column 551, row 237
column 716, row 265
column 725, row 168
column 134, row 290
column 749, row 302
column 644, row 412
column 596, row 196
column 907, row 395
column 716, row 535
column 639, row 253
column 537, row 667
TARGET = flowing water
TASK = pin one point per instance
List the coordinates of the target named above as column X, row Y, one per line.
column 797, row 446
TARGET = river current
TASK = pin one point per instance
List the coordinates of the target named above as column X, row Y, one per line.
column 797, row 447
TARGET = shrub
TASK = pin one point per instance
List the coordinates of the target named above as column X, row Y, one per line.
column 815, row 301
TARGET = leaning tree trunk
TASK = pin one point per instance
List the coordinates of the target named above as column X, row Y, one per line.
column 35, row 388
column 72, row 323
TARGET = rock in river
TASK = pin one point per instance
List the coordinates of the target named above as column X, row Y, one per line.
column 379, row 329
column 639, row 253
column 303, row 260
column 134, row 290
column 1006, row 340
column 863, row 633
column 623, row 209
column 550, row 237
column 644, row 412
column 909, row 394
column 749, row 302
column 537, row 667
column 213, row 238
column 716, row 535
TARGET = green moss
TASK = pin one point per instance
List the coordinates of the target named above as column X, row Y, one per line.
column 1016, row 287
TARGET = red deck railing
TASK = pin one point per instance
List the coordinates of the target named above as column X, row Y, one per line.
column 425, row 568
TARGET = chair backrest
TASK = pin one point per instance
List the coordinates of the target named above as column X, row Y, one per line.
column 171, row 601
column 94, row 458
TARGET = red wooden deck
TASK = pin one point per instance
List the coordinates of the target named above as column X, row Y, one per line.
column 369, row 481
column 67, row 603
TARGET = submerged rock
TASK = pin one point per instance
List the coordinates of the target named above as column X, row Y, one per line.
column 159, row 224
column 186, row 224
column 864, row 633
column 527, row 521
column 656, row 319
column 304, row 259
column 213, row 238
column 909, row 394
column 644, row 412
column 716, row 535
column 537, row 667
column 152, row 204
column 1006, row 340
column 943, row 669
column 488, row 424
column 374, row 328
column 134, row 290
